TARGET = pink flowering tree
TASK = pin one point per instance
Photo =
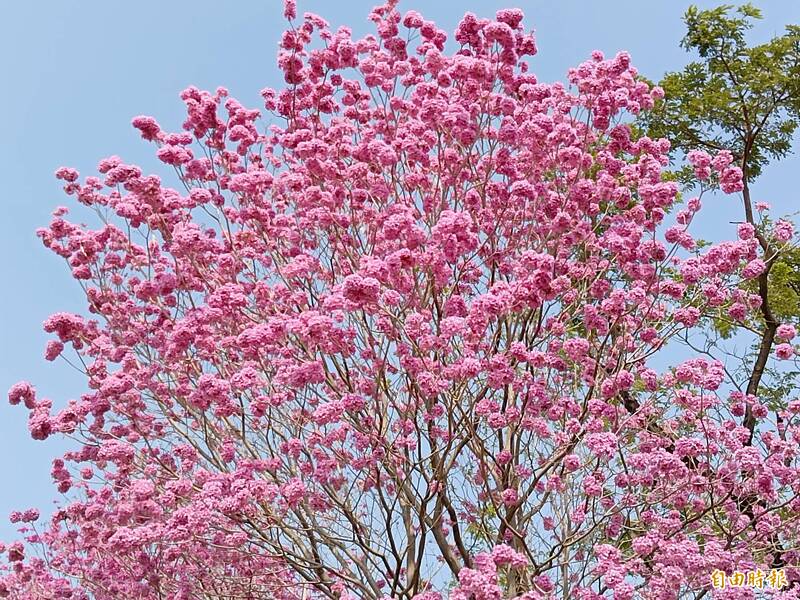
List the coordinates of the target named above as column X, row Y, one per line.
column 403, row 341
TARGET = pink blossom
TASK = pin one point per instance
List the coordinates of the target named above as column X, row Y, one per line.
column 746, row 231
column 148, row 126
column 294, row 492
column 503, row 554
column 174, row 155
column 784, row 351
column 738, row 311
column 722, row 159
column 730, row 180
column 290, row 9
column 591, row 486
column 603, row 444
column 67, row 174
column 53, row 350
column 783, row 230
column 701, row 161
column 22, row 392
column 361, row 290
column 754, row 268
column 510, row 496
column 412, row 19
column 328, row 413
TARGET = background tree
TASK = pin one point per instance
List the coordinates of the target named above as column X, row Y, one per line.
column 399, row 341
column 745, row 99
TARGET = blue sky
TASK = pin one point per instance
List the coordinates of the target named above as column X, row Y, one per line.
column 76, row 72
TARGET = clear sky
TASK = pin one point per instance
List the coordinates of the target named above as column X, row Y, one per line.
column 75, row 72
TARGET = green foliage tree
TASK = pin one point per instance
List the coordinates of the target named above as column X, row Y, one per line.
column 737, row 97
column 745, row 99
